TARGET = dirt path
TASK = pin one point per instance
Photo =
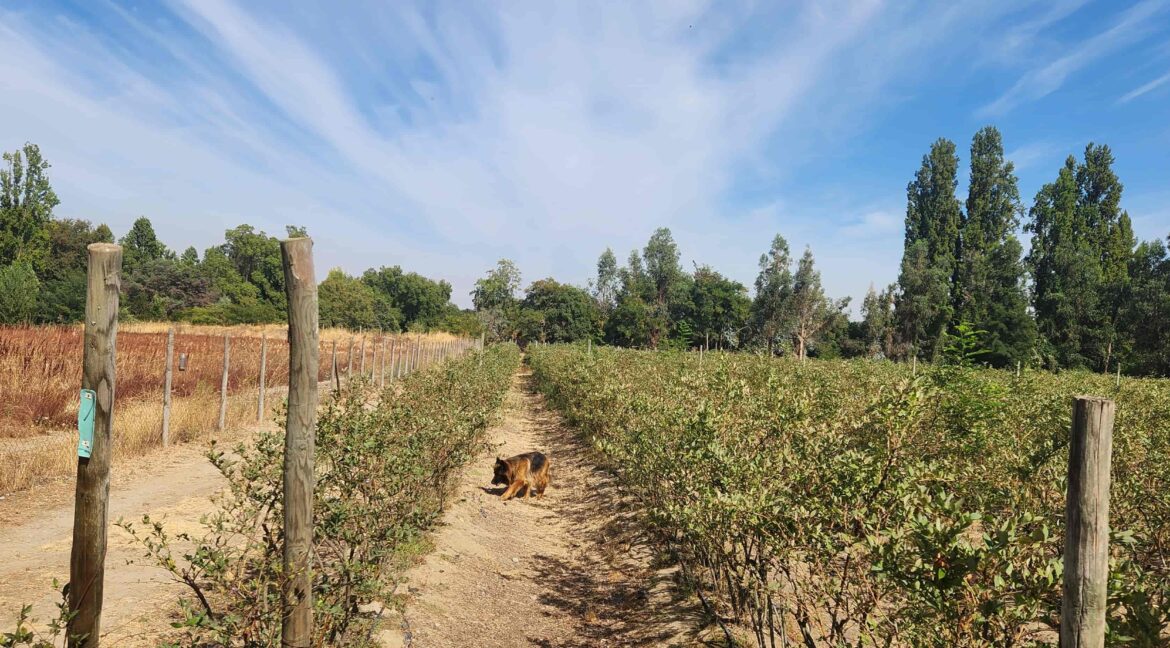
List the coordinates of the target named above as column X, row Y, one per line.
column 568, row 571
column 139, row 597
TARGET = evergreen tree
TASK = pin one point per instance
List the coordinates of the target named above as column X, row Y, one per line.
column 812, row 312
column 608, row 283
column 924, row 307
column 1145, row 319
column 989, row 286
column 769, row 315
column 1082, row 245
column 877, row 325
column 140, row 245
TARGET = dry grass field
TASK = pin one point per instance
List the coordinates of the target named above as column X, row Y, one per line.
column 40, row 375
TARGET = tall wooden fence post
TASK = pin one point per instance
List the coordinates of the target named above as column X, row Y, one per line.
column 382, row 367
column 263, row 377
column 1086, row 543
column 168, row 375
column 301, row 288
column 223, row 384
column 91, row 501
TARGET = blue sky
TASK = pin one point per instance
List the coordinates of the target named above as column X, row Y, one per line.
column 443, row 136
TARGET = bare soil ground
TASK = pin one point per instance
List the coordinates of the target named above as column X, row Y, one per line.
column 37, row 533
column 569, row 571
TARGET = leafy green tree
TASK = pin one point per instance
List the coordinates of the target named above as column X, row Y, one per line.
column 27, row 201
column 256, row 257
column 989, row 290
column 495, row 300
column 608, row 283
column 161, row 289
column 189, row 258
column 498, row 289
column 631, row 322
column 877, row 325
column 718, row 307
column 770, row 316
column 423, row 303
column 664, row 277
column 19, row 288
column 460, row 322
column 348, row 302
column 1082, row 246
column 566, row 313
column 140, row 245
column 923, row 308
column 1145, row 319
column 62, row 295
column 812, row 312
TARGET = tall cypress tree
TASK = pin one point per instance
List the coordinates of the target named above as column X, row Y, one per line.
column 924, row 307
column 989, row 282
column 1112, row 236
column 1082, row 245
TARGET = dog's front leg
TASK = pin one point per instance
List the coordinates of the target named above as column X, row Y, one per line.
column 511, row 490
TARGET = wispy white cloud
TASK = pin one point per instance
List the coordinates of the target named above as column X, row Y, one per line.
column 443, row 136
column 1144, row 88
column 1133, row 25
column 873, row 224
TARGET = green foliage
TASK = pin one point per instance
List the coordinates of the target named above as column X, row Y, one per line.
column 383, row 475
column 348, row 302
column 770, row 314
column 923, row 307
column 422, row 303
column 717, row 307
column 853, row 504
column 497, row 291
column 26, row 208
column 1082, row 245
column 605, row 290
column 989, row 288
column 557, row 312
column 18, row 292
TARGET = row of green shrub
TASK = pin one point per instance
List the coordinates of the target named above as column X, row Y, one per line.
column 857, row 503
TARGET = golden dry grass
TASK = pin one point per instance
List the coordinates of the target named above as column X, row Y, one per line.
column 40, row 375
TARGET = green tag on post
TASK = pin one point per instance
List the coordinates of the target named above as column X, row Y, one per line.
column 85, row 423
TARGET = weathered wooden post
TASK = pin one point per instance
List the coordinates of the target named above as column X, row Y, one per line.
column 91, row 501
column 168, row 374
column 263, row 377
column 349, row 363
column 382, row 366
column 393, row 358
column 362, row 363
column 223, row 385
column 336, row 376
column 301, row 289
column 1086, row 542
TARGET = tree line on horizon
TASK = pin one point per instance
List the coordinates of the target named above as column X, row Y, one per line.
column 1087, row 295
column 241, row 281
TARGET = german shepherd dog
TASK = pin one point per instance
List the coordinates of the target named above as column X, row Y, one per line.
column 529, row 471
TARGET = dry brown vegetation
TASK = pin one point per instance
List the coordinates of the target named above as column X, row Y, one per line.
column 40, row 375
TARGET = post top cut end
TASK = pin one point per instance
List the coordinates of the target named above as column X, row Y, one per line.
column 1093, row 399
column 104, row 247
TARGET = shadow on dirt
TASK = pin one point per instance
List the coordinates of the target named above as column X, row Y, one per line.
column 611, row 584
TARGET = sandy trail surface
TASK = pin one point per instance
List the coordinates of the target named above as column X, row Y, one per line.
column 174, row 484
column 570, row 570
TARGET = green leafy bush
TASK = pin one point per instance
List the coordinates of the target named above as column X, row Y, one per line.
column 384, row 466
column 851, row 503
